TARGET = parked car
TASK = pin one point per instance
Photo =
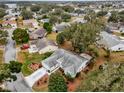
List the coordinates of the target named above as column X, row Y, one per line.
column 24, row 46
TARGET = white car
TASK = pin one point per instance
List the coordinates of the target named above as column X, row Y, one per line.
column 33, row 49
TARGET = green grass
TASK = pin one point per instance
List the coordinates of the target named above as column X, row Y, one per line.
column 32, row 58
column 1, row 56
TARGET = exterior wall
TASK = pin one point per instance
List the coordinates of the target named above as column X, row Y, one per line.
column 119, row 47
column 48, row 49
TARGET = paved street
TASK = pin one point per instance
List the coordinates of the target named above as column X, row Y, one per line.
column 10, row 54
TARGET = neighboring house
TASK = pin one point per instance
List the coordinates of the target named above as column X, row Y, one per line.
column 44, row 20
column 111, row 42
column 11, row 23
column 69, row 62
column 31, row 23
column 79, row 20
column 60, row 27
column 45, row 45
column 39, row 33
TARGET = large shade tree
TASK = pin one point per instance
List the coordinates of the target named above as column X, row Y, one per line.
column 47, row 27
column 7, row 70
column 26, row 14
column 108, row 78
column 3, row 37
column 20, row 36
column 35, row 8
column 81, row 35
column 57, row 83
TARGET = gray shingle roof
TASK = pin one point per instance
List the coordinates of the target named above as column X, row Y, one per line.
column 42, row 43
column 70, row 63
column 108, row 40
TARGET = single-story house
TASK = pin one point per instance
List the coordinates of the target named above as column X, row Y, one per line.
column 111, row 42
column 39, row 33
column 60, row 27
column 45, row 45
column 31, row 23
column 69, row 62
column 11, row 23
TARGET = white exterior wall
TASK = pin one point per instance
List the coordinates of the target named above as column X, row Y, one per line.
column 119, row 47
column 48, row 49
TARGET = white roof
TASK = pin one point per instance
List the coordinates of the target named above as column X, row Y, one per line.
column 70, row 62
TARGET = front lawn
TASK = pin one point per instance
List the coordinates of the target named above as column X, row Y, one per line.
column 32, row 58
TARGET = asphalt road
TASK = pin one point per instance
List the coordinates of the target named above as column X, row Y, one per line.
column 10, row 54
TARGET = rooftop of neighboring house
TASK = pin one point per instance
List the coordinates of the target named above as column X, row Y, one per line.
column 70, row 63
column 8, row 22
column 61, row 27
column 109, row 40
column 42, row 43
column 29, row 21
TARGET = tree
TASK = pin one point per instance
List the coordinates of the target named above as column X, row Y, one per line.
column 65, row 17
column 81, row 35
column 54, row 19
column 20, row 36
column 101, row 13
column 79, row 11
column 15, row 67
column 2, row 13
column 3, row 37
column 27, row 14
column 57, row 83
column 68, row 8
column 48, row 27
column 58, row 11
column 5, row 73
column 114, row 17
column 35, row 8
column 60, row 38
column 108, row 79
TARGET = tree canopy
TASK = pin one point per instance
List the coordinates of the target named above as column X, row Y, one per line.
column 35, row 8
column 2, row 13
column 81, row 35
column 101, row 13
column 48, row 27
column 20, row 36
column 3, row 37
column 57, row 83
column 109, row 78
column 6, row 71
column 65, row 17
column 27, row 14
column 68, row 8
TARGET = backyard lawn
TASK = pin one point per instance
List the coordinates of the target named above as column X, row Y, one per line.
column 52, row 36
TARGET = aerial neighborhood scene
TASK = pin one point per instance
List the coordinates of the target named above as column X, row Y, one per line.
column 62, row 46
